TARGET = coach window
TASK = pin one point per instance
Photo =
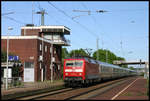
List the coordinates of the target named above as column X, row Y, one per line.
column 92, row 61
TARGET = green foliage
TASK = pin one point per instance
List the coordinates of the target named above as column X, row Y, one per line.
column 65, row 53
column 3, row 56
column 106, row 56
column 148, row 87
column 102, row 55
column 15, row 70
column 79, row 52
column 132, row 68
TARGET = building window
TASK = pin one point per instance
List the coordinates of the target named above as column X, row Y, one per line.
column 40, row 47
column 50, row 50
column 45, row 48
column 55, row 51
column 29, row 64
column 40, row 65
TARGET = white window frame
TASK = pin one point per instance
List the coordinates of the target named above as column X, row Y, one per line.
column 46, row 48
column 40, row 47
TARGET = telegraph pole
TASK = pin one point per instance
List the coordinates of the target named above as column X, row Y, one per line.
column 97, row 49
column 89, row 13
column 106, row 56
column 52, row 62
column 42, row 12
column 9, row 28
column 88, row 50
column 32, row 12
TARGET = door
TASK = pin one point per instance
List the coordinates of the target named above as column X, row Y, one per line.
column 28, row 72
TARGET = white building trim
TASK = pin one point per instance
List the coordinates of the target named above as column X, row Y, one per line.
column 27, row 37
column 47, row 27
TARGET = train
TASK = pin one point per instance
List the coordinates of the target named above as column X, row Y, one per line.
column 85, row 70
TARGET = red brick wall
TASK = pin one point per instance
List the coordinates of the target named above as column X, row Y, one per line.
column 30, row 32
column 26, row 48
column 46, row 60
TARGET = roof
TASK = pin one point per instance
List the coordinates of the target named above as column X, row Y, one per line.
column 52, row 28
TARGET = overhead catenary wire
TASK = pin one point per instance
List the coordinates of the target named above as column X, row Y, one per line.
column 14, row 20
column 94, row 19
column 84, row 27
column 95, row 35
column 92, row 33
column 77, row 44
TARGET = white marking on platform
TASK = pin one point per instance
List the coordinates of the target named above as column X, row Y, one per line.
column 123, row 90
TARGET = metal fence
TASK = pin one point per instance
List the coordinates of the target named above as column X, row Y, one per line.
column 12, row 82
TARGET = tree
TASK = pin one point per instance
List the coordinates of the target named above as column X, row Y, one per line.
column 132, row 68
column 79, row 52
column 65, row 53
column 15, row 69
column 109, row 58
column 3, row 56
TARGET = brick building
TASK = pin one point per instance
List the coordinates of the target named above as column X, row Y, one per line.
column 39, row 49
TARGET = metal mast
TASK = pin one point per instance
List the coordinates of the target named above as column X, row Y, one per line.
column 42, row 12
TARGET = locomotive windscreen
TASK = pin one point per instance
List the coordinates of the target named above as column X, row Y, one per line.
column 74, row 63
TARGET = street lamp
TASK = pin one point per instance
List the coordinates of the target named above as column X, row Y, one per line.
column 9, row 28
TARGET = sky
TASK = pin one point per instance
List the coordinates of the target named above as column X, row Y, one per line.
column 123, row 29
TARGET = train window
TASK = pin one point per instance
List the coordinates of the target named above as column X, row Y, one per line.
column 92, row 61
column 74, row 63
column 69, row 64
column 115, row 70
column 78, row 64
column 86, row 59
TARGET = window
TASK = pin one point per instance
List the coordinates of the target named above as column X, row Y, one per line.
column 40, row 47
column 55, row 51
column 29, row 65
column 40, row 65
column 93, row 61
column 56, row 37
column 74, row 63
column 45, row 48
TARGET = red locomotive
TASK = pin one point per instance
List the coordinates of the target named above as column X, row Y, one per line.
column 83, row 70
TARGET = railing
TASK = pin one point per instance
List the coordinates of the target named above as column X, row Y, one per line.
column 62, row 40
column 12, row 82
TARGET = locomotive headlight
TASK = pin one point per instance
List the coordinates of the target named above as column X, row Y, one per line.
column 66, row 73
column 80, row 73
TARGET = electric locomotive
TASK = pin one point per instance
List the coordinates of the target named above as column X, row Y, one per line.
column 84, row 70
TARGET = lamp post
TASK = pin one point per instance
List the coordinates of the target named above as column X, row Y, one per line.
column 9, row 28
column 51, row 62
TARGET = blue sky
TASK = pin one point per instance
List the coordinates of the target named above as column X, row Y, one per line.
column 125, row 22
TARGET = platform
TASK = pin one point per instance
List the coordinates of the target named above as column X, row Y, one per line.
column 134, row 89
column 29, row 88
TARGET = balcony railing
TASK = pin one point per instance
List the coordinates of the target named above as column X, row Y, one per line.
column 61, row 41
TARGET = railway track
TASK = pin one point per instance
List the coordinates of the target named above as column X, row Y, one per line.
column 77, row 93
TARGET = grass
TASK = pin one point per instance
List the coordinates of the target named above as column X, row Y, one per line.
column 136, row 94
column 148, row 87
column 128, row 94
